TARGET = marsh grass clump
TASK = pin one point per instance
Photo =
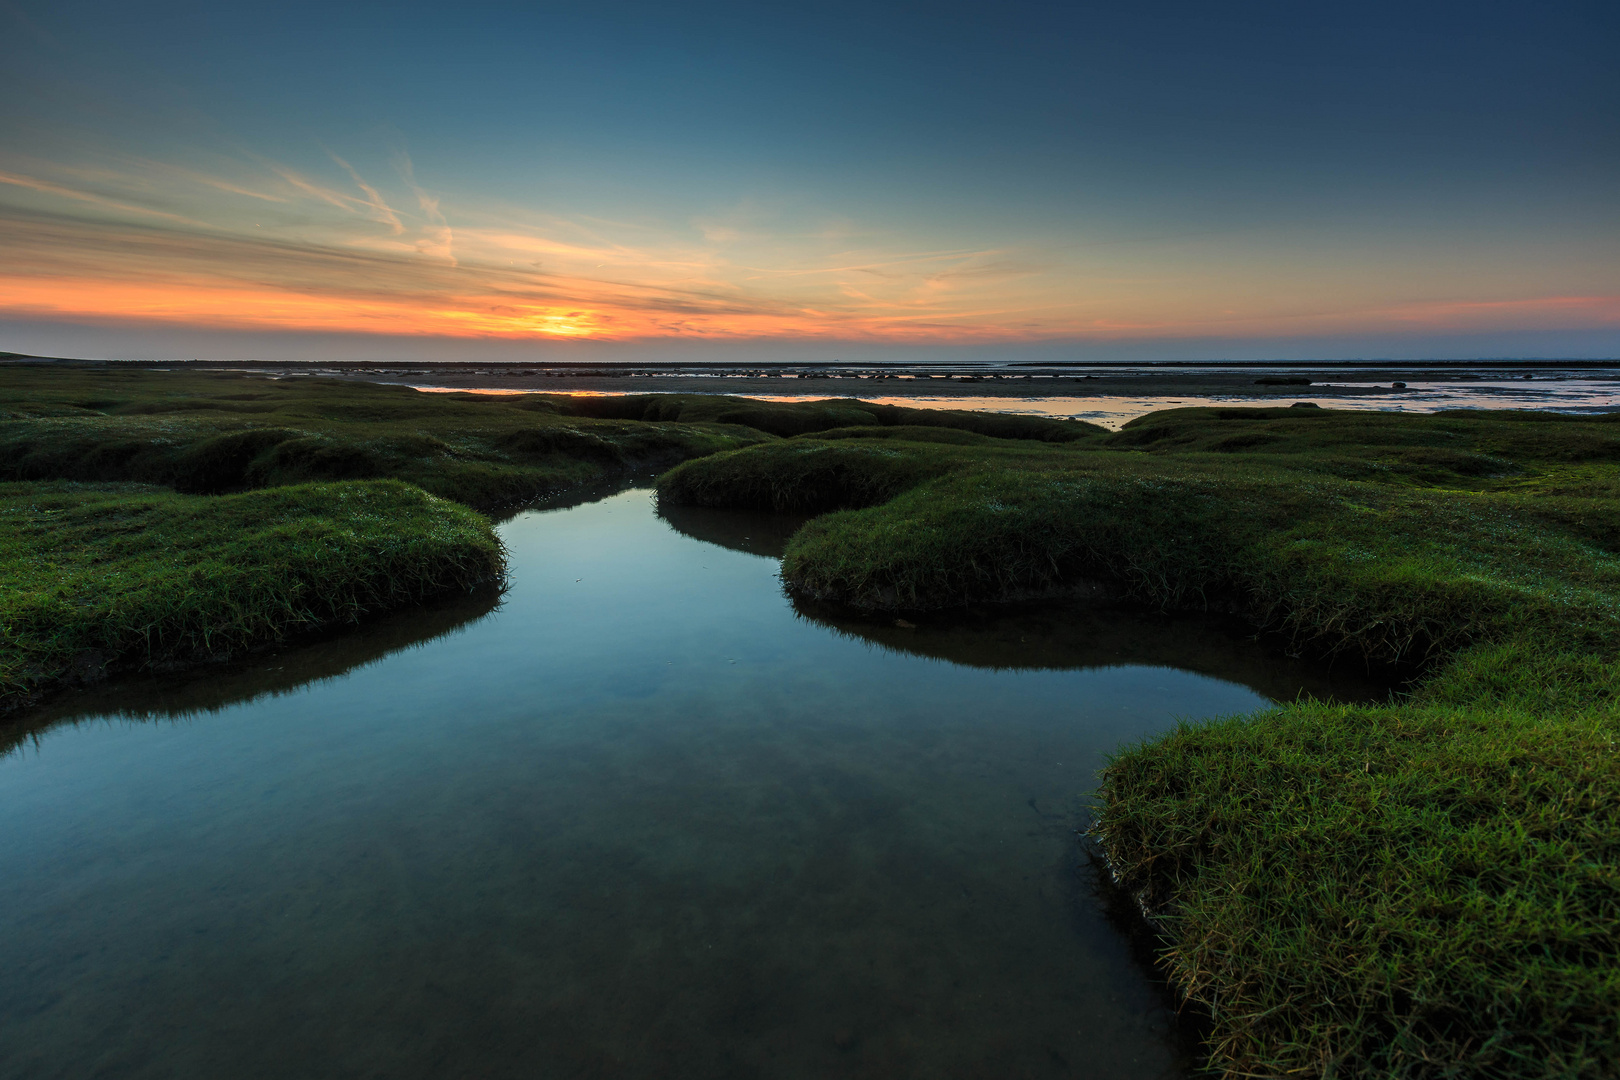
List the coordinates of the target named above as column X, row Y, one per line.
column 1388, row 574
column 808, row 417
column 797, row 476
column 211, row 433
column 1424, row 888
column 1403, row 892
column 106, row 576
column 225, row 434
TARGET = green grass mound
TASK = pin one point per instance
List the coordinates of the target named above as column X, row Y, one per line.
column 804, row 476
column 1425, row 889
column 1388, row 572
column 105, row 576
column 919, row 433
column 209, row 433
column 1458, row 449
column 1401, row 892
column 787, row 418
column 851, row 467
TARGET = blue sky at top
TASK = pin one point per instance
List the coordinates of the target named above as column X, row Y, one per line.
column 1327, row 180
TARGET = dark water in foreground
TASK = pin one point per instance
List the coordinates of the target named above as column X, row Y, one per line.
column 643, row 820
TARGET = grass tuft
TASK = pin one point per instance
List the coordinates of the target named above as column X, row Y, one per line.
column 1401, row 892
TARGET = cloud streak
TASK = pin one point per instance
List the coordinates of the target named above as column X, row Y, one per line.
column 271, row 248
column 438, row 242
column 65, row 192
column 374, row 199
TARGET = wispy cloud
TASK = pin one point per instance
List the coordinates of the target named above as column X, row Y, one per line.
column 374, row 199
column 222, row 185
column 152, row 176
column 45, row 186
column 309, row 187
column 438, row 240
column 267, row 246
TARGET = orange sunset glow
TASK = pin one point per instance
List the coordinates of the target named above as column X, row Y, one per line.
column 623, row 220
column 324, row 260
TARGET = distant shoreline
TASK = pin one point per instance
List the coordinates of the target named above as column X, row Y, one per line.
column 979, row 379
column 1109, row 395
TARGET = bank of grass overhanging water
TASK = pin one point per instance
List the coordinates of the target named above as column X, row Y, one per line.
column 104, row 576
column 214, row 432
column 211, row 433
column 1425, row 888
column 252, row 508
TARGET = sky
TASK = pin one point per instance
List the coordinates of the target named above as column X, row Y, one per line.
column 812, row 181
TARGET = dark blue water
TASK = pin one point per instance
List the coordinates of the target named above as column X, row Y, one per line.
column 643, row 820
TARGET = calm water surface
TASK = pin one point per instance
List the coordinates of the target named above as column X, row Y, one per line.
column 1565, row 391
column 642, row 820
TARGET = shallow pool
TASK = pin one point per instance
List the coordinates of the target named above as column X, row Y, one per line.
column 641, row 819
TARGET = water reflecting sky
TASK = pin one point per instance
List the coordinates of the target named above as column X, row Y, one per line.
column 643, row 819
column 1566, row 392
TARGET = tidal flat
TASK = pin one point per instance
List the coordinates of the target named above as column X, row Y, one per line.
column 1402, row 858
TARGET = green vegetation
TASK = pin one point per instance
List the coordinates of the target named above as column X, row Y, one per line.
column 101, row 575
column 281, row 668
column 1429, row 887
column 1415, row 890
column 803, row 418
column 207, row 433
column 83, row 595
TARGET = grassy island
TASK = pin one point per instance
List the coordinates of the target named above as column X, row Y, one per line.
column 105, row 575
column 156, row 519
column 1427, row 888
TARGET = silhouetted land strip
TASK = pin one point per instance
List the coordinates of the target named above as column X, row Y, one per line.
column 1426, row 887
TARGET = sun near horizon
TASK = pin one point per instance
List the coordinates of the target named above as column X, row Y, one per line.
column 1184, row 182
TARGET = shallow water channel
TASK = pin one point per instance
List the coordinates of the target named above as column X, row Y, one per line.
column 642, row 818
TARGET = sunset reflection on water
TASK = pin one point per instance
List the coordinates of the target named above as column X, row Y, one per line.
column 1571, row 395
